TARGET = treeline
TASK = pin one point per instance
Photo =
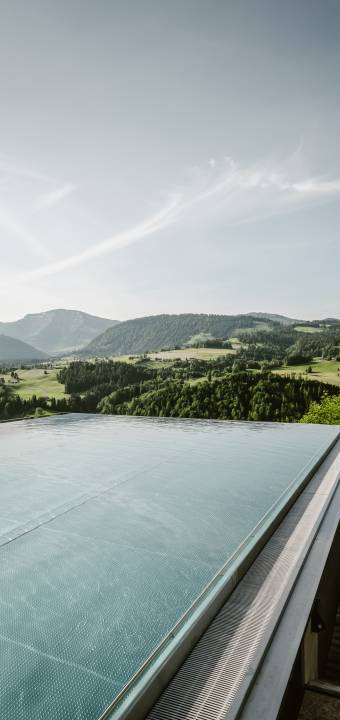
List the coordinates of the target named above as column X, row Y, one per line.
column 234, row 396
column 318, row 345
column 81, row 376
column 220, row 389
column 280, row 337
column 286, row 346
column 12, row 406
column 214, row 343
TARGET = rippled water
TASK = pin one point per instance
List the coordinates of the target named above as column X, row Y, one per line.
column 109, row 529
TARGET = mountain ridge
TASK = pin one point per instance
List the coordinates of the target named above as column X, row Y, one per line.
column 17, row 350
column 57, row 331
column 155, row 332
column 283, row 319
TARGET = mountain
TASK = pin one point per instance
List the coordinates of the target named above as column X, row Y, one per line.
column 164, row 331
column 57, row 331
column 275, row 318
column 12, row 349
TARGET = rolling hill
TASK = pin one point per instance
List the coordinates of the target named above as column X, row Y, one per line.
column 13, row 349
column 57, row 331
column 164, row 331
column 282, row 319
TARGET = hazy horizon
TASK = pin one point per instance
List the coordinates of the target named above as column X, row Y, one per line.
column 136, row 317
column 170, row 158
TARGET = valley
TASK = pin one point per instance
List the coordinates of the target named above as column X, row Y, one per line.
column 228, row 367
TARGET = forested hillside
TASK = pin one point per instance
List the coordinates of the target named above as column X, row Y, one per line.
column 164, row 331
column 282, row 319
column 78, row 377
column 236, row 396
column 217, row 389
column 157, row 332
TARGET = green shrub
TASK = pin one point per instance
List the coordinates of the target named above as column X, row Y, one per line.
column 327, row 412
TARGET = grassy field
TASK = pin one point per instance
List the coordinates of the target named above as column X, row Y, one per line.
column 308, row 329
column 35, row 382
column 125, row 358
column 236, row 343
column 263, row 326
column 191, row 353
column 327, row 371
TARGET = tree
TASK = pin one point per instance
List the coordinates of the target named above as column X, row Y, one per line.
column 327, row 412
column 296, row 358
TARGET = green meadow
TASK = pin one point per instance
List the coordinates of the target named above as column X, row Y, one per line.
column 191, row 353
column 309, row 329
column 327, row 371
column 34, row 381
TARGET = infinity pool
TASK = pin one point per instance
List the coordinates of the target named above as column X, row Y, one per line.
column 110, row 527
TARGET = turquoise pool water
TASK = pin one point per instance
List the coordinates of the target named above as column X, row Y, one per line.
column 109, row 529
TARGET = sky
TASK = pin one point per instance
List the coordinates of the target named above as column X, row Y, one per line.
column 167, row 156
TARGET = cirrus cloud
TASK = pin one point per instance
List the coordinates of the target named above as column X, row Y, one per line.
column 237, row 194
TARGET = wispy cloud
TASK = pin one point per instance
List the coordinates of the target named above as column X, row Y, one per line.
column 238, row 194
column 9, row 168
column 243, row 194
column 319, row 186
column 156, row 222
column 55, row 197
column 13, row 229
column 24, row 192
